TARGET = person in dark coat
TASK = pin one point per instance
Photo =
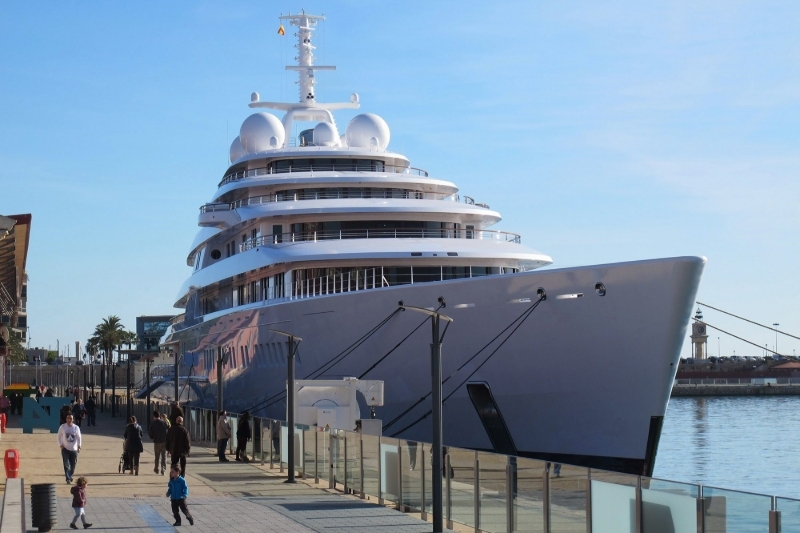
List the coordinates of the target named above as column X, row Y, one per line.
column 65, row 410
column 133, row 443
column 91, row 414
column 243, row 434
column 158, row 432
column 78, row 411
column 175, row 413
column 178, row 444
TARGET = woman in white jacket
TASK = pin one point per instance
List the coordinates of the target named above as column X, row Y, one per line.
column 69, row 438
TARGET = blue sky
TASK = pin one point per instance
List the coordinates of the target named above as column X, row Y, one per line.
column 602, row 131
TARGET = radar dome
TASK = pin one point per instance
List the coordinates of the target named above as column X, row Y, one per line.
column 237, row 151
column 367, row 131
column 325, row 134
column 261, row 131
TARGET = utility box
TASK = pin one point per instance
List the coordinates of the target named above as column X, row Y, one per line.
column 334, row 403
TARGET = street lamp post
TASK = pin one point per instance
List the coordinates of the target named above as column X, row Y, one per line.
column 436, row 408
column 776, row 337
column 222, row 360
column 290, row 400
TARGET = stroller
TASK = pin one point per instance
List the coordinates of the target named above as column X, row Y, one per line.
column 124, row 461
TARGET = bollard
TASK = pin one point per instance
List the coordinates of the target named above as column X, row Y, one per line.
column 44, row 509
column 2, row 422
column 11, row 462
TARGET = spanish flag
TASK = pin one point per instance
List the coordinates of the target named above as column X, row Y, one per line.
column 281, row 31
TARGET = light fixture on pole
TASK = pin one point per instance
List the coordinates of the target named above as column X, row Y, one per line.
column 436, row 406
column 290, row 400
column 776, row 338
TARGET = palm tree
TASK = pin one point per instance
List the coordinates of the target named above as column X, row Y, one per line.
column 110, row 334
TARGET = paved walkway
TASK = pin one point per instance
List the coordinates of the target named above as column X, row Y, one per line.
column 224, row 497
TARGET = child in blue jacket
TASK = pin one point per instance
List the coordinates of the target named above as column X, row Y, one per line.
column 178, row 491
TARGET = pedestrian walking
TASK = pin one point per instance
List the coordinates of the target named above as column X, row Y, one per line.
column 69, row 439
column 178, row 444
column 78, row 412
column 133, row 443
column 79, row 503
column 5, row 404
column 166, row 420
column 223, row 435
column 157, row 430
column 243, row 434
column 62, row 414
column 91, row 406
column 175, row 413
column 275, row 434
column 177, row 492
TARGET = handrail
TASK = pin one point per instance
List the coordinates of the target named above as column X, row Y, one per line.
column 378, row 233
column 337, row 195
column 336, row 167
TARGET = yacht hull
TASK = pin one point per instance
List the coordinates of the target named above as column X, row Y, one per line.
column 582, row 379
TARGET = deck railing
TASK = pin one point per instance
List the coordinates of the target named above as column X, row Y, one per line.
column 499, row 493
column 379, row 233
column 335, row 167
column 332, row 195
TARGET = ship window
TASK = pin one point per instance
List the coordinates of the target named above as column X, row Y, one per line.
column 455, row 272
column 427, row 274
column 397, row 275
column 479, row 271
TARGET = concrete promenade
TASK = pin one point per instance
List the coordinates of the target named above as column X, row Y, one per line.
column 235, row 497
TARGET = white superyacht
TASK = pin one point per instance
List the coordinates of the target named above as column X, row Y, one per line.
column 323, row 234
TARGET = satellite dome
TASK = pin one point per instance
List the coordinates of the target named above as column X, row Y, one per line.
column 325, row 134
column 261, row 131
column 367, row 131
column 237, row 151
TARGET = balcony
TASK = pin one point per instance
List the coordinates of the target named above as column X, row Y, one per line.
column 330, row 167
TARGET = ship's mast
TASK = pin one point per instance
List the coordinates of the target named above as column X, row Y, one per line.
column 307, row 108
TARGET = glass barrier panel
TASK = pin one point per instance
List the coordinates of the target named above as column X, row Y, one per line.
column 568, row 498
column 424, row 464
column 353, row 461
column 668, row 504
column 298, row 448
column 283, row 456
column 324, row 454
column 734, row 511
column 371, row 444
column 410, row 473
column 492, row 491
column 528, row 502
column 193, row 423
column 249, row 445
column 276, row 436
column 337, row 455
column 613, row 502
column 310, row 449
column 462, row 486
column 234, row 421
column 790, row 514
column 389, row 459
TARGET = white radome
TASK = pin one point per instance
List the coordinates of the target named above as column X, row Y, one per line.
column 237, row 150
column 260, row 132
column 325, row 134
column 368, row 131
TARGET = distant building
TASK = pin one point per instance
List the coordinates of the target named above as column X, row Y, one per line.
column 14, row 239
column 32, row 354
column 150, row 329
column 699, row 337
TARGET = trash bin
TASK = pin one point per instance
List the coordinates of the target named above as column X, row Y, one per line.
column 11, row 462
column 43, row 506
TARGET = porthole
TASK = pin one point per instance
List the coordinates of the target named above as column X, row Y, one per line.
column 600, row 289
column 215, row 254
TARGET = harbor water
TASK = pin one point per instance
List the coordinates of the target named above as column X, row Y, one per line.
column 745, row 443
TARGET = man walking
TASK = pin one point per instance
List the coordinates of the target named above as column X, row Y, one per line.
column 69, row 438
column 223, row 435
column 158, row 432
column 178, row 444
column 78, row 411
column 90, row 406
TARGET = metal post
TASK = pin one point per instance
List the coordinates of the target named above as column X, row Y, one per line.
column 331, row 480
column 316, row 455
column 361, row 463
column 400, row 477
column 113, row 390
column 436, row 400
column 509, row 497
column 290, row 408
column 147, row 371
column 219, row 380
column 380, row 478
column 103, row 386
column 177, row 390
column 345, row 463
column 546, row 498
column 476, row 494
column 701, row 512
column 774, row 514
column 271, row 450
column 449, row 491
column 638, row 524
column 303, row 456
column 421, row 459
column 589, row 502
column 128, row 403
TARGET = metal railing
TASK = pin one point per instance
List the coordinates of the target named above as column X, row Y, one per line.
column 378, row 233
column 499, row 493
column 335, row 167
column 178, row 319
column 333, row 195
column 744, row 382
